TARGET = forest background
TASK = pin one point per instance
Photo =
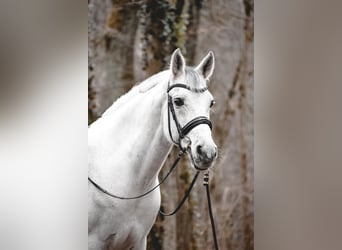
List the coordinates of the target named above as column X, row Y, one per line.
column 129, row 41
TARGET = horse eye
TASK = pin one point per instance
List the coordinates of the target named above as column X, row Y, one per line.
column 179, row 102
column 212, row 103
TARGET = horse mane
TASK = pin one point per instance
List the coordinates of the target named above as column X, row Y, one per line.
column 192, row 78
column 142, row 87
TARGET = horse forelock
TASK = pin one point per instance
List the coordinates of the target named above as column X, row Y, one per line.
column 194, row 79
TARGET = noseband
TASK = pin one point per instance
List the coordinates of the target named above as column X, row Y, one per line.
column 183, row 131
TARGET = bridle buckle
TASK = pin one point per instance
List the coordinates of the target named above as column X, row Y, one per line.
column 185, row 143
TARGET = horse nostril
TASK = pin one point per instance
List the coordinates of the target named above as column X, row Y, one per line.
column 199, row 150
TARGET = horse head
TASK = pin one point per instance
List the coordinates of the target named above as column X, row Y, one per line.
column 187, row 118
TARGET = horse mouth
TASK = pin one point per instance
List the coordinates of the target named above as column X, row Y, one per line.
column 198, row 164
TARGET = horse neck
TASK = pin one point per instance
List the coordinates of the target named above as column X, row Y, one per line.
column 142, row 135
column 151, row 147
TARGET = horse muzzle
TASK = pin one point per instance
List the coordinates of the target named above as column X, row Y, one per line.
column 203, row 156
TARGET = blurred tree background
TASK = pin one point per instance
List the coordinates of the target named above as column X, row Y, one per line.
column 131, row 40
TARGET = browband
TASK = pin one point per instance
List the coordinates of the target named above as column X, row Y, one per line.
column 180, row 85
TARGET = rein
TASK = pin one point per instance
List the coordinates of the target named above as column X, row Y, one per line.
column 182, row 134
column 180, row 154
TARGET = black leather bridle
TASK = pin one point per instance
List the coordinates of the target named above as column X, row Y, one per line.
column 183, row 131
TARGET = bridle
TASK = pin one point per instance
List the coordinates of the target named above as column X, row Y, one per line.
column 183, row 131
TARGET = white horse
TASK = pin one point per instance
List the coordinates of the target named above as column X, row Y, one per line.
column 128, row 145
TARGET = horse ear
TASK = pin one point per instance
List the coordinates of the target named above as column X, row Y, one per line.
column 177, row 63
column 207, row 65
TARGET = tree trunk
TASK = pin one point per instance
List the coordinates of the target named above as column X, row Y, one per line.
column 112, row 28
